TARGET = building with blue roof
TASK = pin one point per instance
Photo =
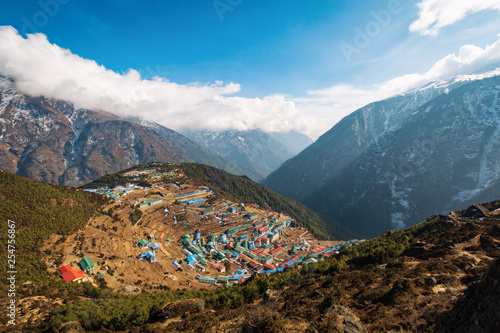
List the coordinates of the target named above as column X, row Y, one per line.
column 149, row 256
column 154, row 246
column 192, row 259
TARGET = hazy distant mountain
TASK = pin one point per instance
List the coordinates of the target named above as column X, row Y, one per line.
column 260, row 152
column 394, row 162
column 50, row 140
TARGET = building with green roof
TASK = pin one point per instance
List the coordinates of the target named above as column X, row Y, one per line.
column 202, row 260
column 222, row 279
column 87, row 265
column 142, row 244
column 150, row 202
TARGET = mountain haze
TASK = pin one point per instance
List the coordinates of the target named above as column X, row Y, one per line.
column 260, row 152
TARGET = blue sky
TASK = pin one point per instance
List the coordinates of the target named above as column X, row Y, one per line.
column 294, row 49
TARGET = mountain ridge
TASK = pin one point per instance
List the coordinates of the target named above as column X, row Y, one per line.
column 380, row 163
column 261, row 152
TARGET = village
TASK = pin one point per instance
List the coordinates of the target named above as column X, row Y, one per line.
column 189, row 237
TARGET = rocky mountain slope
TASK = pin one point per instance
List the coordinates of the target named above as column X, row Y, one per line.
column 261, row 152
column 393, row 162
column 477, row 310
column 50, row 140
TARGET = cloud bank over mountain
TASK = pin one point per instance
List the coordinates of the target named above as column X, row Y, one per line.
column 42, row 68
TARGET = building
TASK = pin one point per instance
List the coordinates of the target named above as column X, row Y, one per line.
column 238, row 248
column 276, row 250
column 269, row 266
column 275, row 236
column 149, row 256
column 150, row 202
column 202, row 260
column 209, row 280
column 192, row 259
column 142, row 244
column 222, row 279
column 220, row 255
column 87, row 265
column 265, row 240
column 290, row 262
column 154, row 246
column 69, row 274
column 220, row 268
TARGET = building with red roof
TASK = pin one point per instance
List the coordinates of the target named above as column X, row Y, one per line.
column 69, row 274
column 268, row 266
column 277, row 249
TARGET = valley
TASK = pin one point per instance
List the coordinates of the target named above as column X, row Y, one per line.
column 228, row 167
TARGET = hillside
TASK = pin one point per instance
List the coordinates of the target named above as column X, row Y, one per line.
column 392, row 163
column 241, row 189
column 51, row 141
column 107, row 232
column 260, row 152
column 38, row 211
column 404, row 281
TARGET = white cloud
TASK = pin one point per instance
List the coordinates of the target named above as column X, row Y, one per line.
column 436, row 14
column 42, row 68
column 334, row 103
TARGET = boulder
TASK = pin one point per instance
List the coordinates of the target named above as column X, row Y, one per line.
column 431, row 281
column 131, row 289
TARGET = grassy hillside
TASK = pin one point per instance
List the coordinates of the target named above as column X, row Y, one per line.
column 39, row 210
column 244, row 190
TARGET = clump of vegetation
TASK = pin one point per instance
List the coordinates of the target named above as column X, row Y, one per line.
column 135, row 215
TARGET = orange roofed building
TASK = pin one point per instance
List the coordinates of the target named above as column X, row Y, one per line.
column 70, row 274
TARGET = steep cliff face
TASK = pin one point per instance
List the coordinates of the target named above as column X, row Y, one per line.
column 393, row 162
column 50, row 140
